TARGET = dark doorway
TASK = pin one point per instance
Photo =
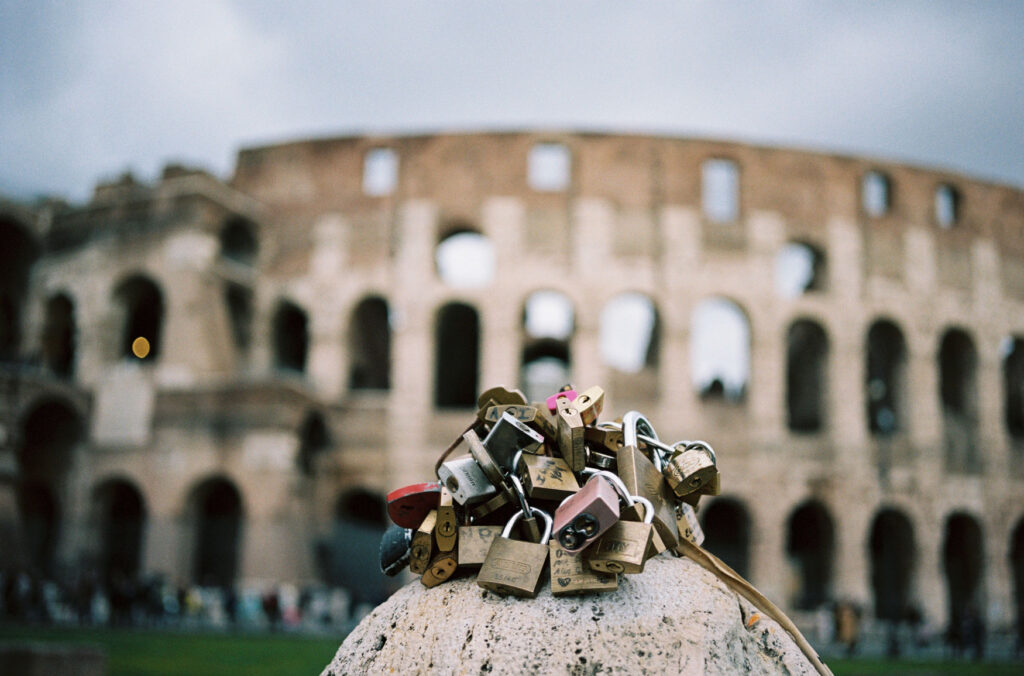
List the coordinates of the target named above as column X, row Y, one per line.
column 313, row 440
column 457, row 363
column 726, row 524
column 1013, row 388
column 962, row 558
column 958, row 393
column 1017, row 568
column 218, row 519
column 369, row 342
column 122, row 515
column 892, row 564
column 806, row 355
column 350, row 556
column 143, row 307
column 59, row 335
column 810, row 544
column 886, row 355
column 291, row 337
column 40, row 524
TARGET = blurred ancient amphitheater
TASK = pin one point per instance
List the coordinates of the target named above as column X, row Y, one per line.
column 848, row 334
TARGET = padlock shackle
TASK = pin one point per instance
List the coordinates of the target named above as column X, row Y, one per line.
column 614, row 480
column 701, row 446
column 545, row 536
column 517, row 485
column 648, row 508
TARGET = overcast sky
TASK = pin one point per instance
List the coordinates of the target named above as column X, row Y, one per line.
column 90, row 89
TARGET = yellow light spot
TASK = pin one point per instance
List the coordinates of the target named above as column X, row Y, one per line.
column 140, row 347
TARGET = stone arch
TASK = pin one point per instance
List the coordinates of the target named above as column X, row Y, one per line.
column 1013, row 388
column 350, row 556
column 806, row 376
column 631, row 345
column 50, row 432
column 120, row 512
column 18, row 251
column 726, row 522
column 1017, row 572
column 800, row 267
column 958, row 361
column 876, row 193
column 892, row 555
column 142, row 307
column 369, row 343
column 548, row 324
column 885, row 397
column 314, row 438
column 720, row 334
column 291, row 337
column 238, row 241
column 457, row 356
column 464, row 256
column 810, row 544
column 963, row 558
column 59, row 335
column 217, row 515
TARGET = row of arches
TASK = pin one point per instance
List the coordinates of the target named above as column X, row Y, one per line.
column 890, row 547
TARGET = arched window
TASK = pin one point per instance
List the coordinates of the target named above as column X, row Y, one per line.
column 142, row 306
column 291, row 337
column 891, row 547
column 465, row 258
column 457, row 362
column 799, row 269
column 17, row 253
column 216, row 507
column 369, row 342
column 548, row 324
column 630, row 333
column 121, row 512
column 876, row 194
column 380, row 172
column 810, row 545
column 59, row 335
column 947, row 206
column 963, row 557
column 720, row 350
column 726, row 524
column 884, row 395
column 958, row 393
column 549, row 168
column 806, row 376
column 720, row 190
column 238, row 300
column 238, row 241
column 1013, row 387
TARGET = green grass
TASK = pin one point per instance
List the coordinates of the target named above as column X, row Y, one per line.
column 151, row 653
column 867, row 666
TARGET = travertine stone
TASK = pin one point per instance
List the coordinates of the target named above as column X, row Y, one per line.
column 674, row 618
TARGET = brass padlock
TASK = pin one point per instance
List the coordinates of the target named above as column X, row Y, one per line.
column 589, row 403
column 499, row 395
column 422, row 548
column 523, row 413
column 570, row 435
column 571, row 575
column 546, row 478
column 644, row 479
column 690, row 469
column 440, row 569
column 486, row 461
column 474, row 541
column 623, row 547
column 515, row 567
column 689, row 526
column 446, row 528
column 491, row 509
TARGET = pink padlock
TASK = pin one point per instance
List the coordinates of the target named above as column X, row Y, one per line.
column 586, row 514
column 568, row 394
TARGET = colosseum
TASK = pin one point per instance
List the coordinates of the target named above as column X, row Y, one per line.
column 848, row 333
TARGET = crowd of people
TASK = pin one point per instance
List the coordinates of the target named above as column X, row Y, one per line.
column 152, row 601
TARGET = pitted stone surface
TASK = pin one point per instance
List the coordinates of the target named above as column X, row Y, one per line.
column 675, row 617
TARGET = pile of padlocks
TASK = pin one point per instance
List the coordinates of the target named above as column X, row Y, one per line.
column 548, row 482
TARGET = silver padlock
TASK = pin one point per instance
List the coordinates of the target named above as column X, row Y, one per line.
column 508, row 437
column 465, row 481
